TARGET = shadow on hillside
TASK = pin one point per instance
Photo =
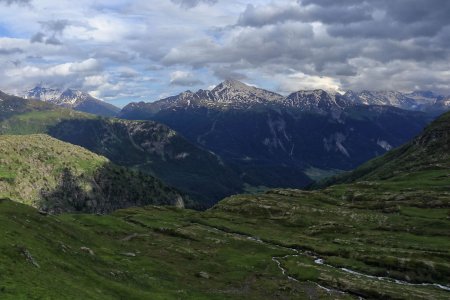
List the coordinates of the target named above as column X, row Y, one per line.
column 153, row 149
column 109, row 188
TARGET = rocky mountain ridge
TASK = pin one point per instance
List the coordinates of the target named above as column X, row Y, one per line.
column 71, row 98
column 237, row 95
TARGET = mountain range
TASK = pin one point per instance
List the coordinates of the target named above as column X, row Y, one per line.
column 276, row 141
column 235, row 94
column 78, row 100
column 231, row 139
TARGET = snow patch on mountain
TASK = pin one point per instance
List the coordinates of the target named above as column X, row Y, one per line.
column 233, row 94
column 385, row 145
column 68, row 97
column 71, row 98
column 335, row 143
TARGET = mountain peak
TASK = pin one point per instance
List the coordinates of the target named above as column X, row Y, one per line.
column 72, row 98
column 233, row 85
column 234, row 91
column 313, row 100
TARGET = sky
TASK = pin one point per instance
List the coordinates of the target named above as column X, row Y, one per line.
column 142, row 50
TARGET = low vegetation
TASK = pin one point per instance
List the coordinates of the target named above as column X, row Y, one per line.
column 58, row 177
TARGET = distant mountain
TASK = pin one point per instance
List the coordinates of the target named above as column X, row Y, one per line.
column 13, row 105
column 228, row 94
column 318, row 101
column 59, row 177
column 283, row 141
column 426, row 101
column 75, row 99
column 232, row 94
column 148, row 146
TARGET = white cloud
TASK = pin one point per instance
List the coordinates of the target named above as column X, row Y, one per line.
column 183, row 78
column 65, row 69
column 301, row 81
column 95, row 81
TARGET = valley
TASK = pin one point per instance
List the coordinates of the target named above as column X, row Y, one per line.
column 371, row 233
column 273, row 141
column 225, row 150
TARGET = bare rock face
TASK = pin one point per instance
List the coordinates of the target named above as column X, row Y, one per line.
column 87, row 250
column 179, row 202
column 203, row 275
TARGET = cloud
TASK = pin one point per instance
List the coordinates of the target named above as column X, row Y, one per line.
column 182, row 78
column 20, row 2
column 133, row 50
column 228, row 72
column 400, row 19
column 52, row 29
column 192, row 3
column 38, row 38
column 61, row 75
column 55, row 26
column 251, row 45
column 327, row 40
column 10, row 51
column 300, row 81
column 271, row 14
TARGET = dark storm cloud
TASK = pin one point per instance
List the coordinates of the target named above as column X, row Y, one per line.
column 55, row 26
column 192, row 3
column 260, row 16
column 400, row 19
column 250, row 45
column 38, row 38
column 228, row 72
column 53, row 29
column 53, row 41
column 356, row 42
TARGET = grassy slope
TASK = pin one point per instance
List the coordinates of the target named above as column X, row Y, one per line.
column 152, row 253
column 50, row 174
column 391, row 218
column 158, row 253
column 151, row 147
column 407, row 242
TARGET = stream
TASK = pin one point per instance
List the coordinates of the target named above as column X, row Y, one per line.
column 321, row 261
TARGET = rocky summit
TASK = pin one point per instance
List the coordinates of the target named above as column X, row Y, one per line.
column 71, row 98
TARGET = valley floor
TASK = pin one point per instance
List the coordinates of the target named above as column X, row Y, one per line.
column 284, row 244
